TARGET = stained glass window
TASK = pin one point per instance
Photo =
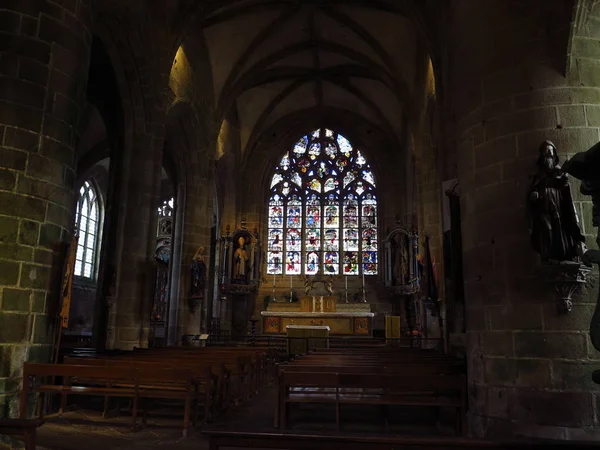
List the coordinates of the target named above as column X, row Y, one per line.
column 87, row 218
column 322, row 214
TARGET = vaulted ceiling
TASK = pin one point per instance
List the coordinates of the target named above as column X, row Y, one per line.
column 271, row 59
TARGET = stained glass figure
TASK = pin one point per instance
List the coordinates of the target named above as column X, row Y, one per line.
column 312, row 263
column 294, row 214
column 315, row 150
column 274, row 266
column 313, row 239
column 315, row 185
column 368, row 177
column 351, row 239
column 285, row 162
column 370, row 263
column 313, row 216
column 276, row 179
column 296, row 179
column 350, row 263
column 300, row 147
column 331, row 265
column 293, row 265
column 293, row 241
column 369, row 239
column 331, row 239
column 332, row 216
column 275, row 215
column 276, row 239
column 349, row 178
column 322, row 215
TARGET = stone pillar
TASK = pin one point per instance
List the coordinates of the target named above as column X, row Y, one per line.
column 44, row 58
column 129, row 320
column 529, row 367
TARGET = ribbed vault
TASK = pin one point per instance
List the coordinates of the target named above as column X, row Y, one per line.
column 271, row 59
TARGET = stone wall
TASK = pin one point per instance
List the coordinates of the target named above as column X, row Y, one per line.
column 529, row 367
column 44, row 54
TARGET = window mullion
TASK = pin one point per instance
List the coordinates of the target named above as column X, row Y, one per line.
column 284, row 255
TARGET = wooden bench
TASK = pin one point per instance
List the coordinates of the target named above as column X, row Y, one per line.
column 260, row 360
column 230, row 439
column 25, row 428
column 205, row 381
column 371, row 388
column 108, row 382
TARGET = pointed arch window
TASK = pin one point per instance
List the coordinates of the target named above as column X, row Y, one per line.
column 87, row 218
column 322, row 215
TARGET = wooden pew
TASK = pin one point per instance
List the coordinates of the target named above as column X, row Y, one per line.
column 231, row 366
column 107, row 382
column 263, row 360
column 231, row 439
column 21, row 427
column 205, row 381
column 372, row 388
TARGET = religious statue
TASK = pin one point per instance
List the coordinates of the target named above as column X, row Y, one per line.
column 585, row 166
column 553, row 223
column 400, row 266
column 240, row 263
column 198, row 270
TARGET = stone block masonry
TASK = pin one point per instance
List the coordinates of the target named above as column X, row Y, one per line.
column 44, row 57
column 530, row 368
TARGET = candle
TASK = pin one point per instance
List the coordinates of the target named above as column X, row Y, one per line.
column 273, row 280
column 346, row 281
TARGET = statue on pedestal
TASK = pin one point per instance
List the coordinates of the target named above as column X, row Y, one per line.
column 553, row 223
column 198, row 278
column 554, row 228
column 240, row 260
column 585, row 166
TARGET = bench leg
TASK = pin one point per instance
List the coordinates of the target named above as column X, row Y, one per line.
column 63, row 403
column 386, row 416
column 283, row 411
column 41, row 405
column 23, row 401
column 337, row 416
column 29, row 438
column 106, row 407
column 186, row 415
column 134, row 411
column 461, row 422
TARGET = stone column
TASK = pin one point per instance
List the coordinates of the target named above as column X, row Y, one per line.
column 529, row 367
column 44, row 58
column 130, row 315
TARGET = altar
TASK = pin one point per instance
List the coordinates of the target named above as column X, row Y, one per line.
column 354, row 319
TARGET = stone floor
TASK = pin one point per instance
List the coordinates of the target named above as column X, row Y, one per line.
column 86, row 429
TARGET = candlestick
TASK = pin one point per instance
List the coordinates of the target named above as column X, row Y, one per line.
column 346, row 280
column 291, row 287
column 364, row 298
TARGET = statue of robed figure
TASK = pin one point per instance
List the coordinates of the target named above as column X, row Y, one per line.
column 198, row 275
column 553, row 223
column 585, row 166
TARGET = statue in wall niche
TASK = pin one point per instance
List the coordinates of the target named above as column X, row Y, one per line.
column 198, row 271
column 553, row 223
column 240, row 263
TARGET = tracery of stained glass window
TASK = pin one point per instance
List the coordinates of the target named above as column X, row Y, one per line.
column 87, row 219
column 322, row 215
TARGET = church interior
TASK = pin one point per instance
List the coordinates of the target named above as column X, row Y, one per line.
column 296, row 223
